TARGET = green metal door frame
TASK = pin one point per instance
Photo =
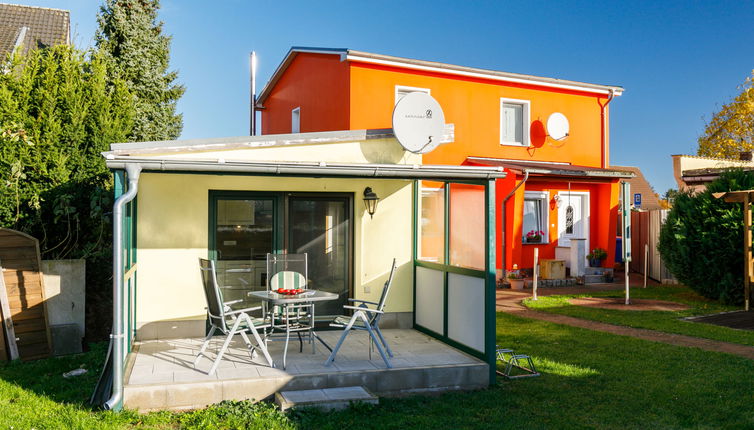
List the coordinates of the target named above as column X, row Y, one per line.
column 488, row 274
column 277, row 216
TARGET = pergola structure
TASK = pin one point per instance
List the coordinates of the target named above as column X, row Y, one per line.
column 746, row 197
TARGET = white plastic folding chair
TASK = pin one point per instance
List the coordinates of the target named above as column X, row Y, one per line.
column 230, row 322
column 289, row 272
column 368, row 319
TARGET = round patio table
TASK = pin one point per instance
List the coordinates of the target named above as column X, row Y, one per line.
column 309, row 298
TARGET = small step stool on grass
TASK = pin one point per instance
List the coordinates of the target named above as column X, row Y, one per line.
column 515, row 362
column 326, row 399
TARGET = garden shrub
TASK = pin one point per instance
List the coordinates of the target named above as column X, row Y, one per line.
column 701, row 241
column 58, row 111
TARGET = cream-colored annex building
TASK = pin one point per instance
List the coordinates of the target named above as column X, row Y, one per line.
column 234, row 200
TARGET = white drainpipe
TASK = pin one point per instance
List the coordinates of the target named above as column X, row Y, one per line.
column 117, row 336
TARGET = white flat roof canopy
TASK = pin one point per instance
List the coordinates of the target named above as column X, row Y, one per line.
column 321, row 169
column 220, row 158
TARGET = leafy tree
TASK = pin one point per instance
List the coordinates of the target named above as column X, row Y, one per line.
column 58, row 111
column 130, row 34
column 666, row 200
column 731, row 130
column 701, row 241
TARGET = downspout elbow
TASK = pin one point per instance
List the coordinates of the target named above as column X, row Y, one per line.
column 513, row 191
column 604, row 127
column 117, row 335
column 502, row 214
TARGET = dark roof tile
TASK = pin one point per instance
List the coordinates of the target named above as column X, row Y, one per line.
column 44, row 27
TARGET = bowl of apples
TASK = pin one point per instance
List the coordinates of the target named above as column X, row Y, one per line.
column 289, row 292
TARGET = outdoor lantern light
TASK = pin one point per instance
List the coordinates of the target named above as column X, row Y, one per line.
column 370, row 201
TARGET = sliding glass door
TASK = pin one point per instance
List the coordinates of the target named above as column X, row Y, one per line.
column 245, row 226
column 243, row 230
column 321, row 228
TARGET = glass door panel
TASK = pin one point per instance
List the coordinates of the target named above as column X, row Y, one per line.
column 321, row 228
column 244, row 234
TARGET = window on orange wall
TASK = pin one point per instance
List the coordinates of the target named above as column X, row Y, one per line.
column 514, row 122
column 402, row 90
column 296, row 120
column 535, row 219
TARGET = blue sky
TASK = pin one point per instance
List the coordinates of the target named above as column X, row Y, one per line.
column 679, row 61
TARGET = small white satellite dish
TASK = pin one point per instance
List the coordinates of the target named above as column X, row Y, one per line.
column 557, row 126
column 418, row 122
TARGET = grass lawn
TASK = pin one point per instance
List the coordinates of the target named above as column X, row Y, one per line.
column 666, row 321
column 590, row 380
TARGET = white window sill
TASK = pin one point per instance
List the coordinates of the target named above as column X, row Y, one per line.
column 544, row 242
column 520, row 145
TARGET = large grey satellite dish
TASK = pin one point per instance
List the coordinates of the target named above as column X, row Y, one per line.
column 557, row 126
column 418, row 122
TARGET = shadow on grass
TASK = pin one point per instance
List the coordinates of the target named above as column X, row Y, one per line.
column 45, row 377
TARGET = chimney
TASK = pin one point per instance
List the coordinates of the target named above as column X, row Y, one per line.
column 744, row 155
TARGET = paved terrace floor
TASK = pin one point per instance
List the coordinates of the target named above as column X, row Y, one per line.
column 161, row 374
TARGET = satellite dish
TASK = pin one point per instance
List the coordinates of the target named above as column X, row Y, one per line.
column 418, row 122
column 557, row 126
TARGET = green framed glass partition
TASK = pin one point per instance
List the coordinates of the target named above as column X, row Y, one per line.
column 454, row 265
column 129, row 260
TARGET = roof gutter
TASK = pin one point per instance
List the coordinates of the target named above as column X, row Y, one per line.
column 117, row 337
column 310, row 169
column 699, row 179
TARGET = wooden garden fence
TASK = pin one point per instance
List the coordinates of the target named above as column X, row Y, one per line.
column 646, row 231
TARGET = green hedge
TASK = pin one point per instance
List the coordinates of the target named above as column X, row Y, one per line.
column 59, row 109
column 701, row 241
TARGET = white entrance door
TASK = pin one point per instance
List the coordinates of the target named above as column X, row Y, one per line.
column 573, row 218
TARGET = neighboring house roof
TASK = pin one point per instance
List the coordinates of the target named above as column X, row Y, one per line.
column 450, row 69
column 693, row 171
column 32, row 27
column 707, row 175
column 550, row 168
column 639, row 184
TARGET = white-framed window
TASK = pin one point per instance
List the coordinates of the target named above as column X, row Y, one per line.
column 296, row 120
column 514, row 122
column 402, row 90
column 535, row 215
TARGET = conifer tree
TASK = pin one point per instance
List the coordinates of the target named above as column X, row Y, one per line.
column 731, row 129
column 57, row 114
column 59, row 109
column 130, row 34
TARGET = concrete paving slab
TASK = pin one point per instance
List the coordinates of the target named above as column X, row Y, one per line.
column 325, row 399
column 168, row 365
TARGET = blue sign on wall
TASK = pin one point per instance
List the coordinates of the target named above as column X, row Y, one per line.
column 637, row 200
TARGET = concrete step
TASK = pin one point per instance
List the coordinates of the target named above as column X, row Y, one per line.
column 597, row 271
column 326, row 399
column 551, row 283
column 594, row 279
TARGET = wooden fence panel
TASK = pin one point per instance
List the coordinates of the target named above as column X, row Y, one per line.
column 20, row 265
column 646, row 227
column 639, row 237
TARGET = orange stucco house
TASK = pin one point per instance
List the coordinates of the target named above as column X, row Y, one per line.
column 564, row 188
